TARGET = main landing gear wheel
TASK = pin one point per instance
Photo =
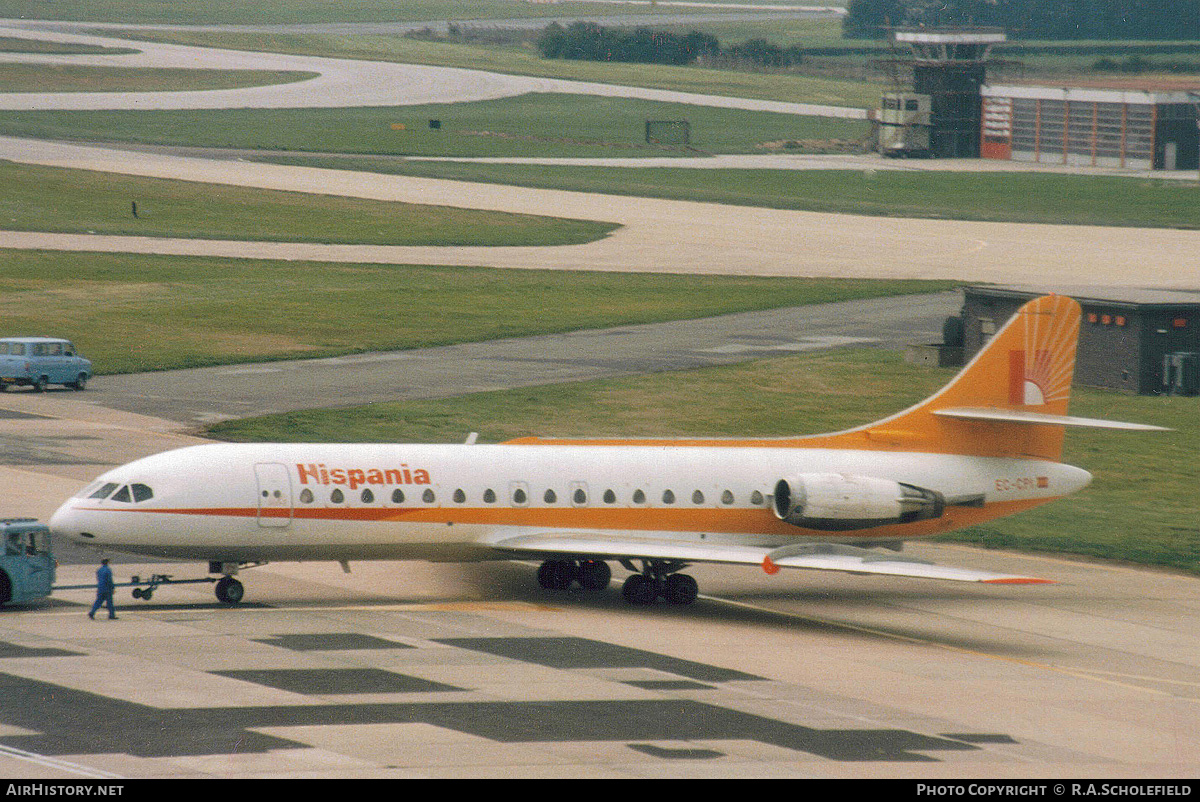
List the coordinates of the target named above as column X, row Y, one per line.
column 229, row 590
column 560, row 574
column 660, row 579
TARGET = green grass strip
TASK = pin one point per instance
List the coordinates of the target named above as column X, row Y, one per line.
column 529, row 125
column 82, row 78
column 77, row 201
column 132, row 313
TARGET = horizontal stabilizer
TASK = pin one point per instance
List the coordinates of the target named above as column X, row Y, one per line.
column 817, row 557
column 999, row 415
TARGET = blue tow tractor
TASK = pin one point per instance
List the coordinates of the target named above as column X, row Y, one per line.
column 27, row 567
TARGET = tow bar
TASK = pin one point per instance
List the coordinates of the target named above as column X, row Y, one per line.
column 142, row 588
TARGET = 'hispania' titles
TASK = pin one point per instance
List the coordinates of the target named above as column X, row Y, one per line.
column 357, row 477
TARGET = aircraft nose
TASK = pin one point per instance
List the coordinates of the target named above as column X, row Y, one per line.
column 64, row 522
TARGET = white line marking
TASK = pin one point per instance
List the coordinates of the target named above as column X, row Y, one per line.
column 55, row 763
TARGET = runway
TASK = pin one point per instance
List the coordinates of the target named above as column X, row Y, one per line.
column 413, row 670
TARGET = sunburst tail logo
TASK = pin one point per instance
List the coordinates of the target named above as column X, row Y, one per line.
column 1039, row 374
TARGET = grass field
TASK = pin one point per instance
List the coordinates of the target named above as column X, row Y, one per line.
column 1140, row 508
column 134, row 313
column 81, row 78
column 530, row 125
column 200, row 12
column 18, row 44
column 67, row 200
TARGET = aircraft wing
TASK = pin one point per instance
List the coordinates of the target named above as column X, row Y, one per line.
column 542, row 544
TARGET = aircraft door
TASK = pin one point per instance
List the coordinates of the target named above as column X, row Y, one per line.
column 274, row 495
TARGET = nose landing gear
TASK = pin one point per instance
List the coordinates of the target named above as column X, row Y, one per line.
column 229, row 590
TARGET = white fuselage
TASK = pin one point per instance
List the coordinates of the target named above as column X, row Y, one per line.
column 238, row 503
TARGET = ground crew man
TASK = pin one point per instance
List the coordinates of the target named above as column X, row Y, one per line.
column 104, row 590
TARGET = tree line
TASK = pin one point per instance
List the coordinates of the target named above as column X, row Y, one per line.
column 588, row 41
column 1032, row 19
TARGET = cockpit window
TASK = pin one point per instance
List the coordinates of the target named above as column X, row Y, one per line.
column 128, row 494
column 105, row 491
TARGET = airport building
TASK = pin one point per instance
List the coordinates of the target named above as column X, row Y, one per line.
column 952, row 111
column 940, row 117
column 1109, row 125
column 1140, row 341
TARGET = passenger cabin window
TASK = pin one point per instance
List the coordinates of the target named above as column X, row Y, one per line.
column 579, row 496
column 306, row 496
column 337, row 496
column 397, row 496
column 428, row 496
column 727, row 497
column 489, row 496
column 550, row 497
column 367, row 497
column 460, row 496
column 610, row 497
column 668, row 497
column 756, row 497
column 697, row 497
column 639, row 497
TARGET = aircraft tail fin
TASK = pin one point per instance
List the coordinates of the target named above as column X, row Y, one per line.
column 1012, row 398
column 1009, row 401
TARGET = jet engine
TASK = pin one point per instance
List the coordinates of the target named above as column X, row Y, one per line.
column 835, row 502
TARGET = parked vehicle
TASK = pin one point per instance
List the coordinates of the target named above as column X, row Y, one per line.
column 26, row 564
column 38, row 361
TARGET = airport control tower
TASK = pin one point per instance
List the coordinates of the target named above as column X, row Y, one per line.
column 941, row 116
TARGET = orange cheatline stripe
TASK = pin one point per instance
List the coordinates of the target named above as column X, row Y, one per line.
column 757, row 520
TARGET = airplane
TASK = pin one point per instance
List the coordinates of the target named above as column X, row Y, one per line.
column 986, row 445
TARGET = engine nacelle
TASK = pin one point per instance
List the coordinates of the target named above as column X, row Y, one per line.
column 835, row 502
